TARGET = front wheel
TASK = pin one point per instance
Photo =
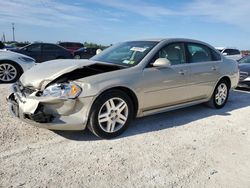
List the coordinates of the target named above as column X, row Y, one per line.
column 9, row 72
column 220, row 95
column 111, row 114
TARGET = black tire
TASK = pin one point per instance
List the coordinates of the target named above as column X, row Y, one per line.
column 213, row 103
column 18, row 69
column 93, row 123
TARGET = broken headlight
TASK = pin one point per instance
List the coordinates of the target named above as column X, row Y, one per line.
column 64, row 91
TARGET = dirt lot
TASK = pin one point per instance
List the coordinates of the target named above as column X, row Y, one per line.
column 192, row 147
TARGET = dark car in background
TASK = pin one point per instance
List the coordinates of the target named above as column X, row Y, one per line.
column 244, row 66
column 44, row 52
column 71, row 46
column 85, row 53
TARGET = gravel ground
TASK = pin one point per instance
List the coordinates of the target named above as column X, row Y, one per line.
column 191, row 147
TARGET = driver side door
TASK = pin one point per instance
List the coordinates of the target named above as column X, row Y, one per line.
column 167, row 86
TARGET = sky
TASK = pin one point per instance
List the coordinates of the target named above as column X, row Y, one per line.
column 223, row 23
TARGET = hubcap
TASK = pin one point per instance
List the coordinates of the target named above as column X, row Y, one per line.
column 7, row 72
column 113, row 115
column 221, row 94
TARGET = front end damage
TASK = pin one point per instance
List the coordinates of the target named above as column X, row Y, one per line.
column 52, row 96
column 48, row 112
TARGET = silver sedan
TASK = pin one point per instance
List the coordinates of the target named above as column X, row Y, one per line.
column 128, row 80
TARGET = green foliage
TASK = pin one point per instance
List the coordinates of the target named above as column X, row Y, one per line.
column 93, row 45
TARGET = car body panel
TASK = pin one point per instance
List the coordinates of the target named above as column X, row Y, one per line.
column 15, row 57
column 165, row 86
column 244, row 73
column 157, row 89
column 40, row 53
column 39, row 74
column 230, row 53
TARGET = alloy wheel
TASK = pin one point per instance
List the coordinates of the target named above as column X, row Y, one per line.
column 7, row 72
column 113, row 115
column 221, row 94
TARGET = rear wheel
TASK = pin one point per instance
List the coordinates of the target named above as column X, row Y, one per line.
column 9, row 72
column 220, row 95
column 111, row 114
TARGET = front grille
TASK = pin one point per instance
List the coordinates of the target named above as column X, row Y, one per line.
column 243, row 75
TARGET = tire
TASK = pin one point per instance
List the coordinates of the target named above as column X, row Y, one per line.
column 12, row 74
column 219, row 98
column 106, row 120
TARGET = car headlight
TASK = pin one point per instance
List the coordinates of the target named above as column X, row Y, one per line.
column 63, row 91
column 26, row 59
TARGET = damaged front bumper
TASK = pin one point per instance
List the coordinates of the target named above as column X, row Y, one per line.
column 49, row 113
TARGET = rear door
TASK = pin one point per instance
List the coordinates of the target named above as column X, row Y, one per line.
column 50, row 52
column 34, row 51
column 167, row 86
column 204, row 63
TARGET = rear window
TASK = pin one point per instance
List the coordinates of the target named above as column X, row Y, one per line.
column 201, row 53
column 71, row 44
column 50, row 47
column 232, row 52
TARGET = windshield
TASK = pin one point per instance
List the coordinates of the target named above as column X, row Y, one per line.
column 245, row 60
column 126, row 54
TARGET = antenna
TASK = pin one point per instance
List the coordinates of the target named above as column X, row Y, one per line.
column 13, row 31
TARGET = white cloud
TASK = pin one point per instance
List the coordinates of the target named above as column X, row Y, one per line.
column 47, row 13
column 53, row 13
column 137, row 7
column 226, row 11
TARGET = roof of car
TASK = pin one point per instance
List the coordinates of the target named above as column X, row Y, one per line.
column 171, row 39
column 222, row 48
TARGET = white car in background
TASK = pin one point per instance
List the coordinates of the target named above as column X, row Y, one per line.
column 13, row 65
column 231, row 53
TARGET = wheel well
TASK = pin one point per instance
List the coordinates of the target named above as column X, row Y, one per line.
column 227, row 79
column 12, row 62
column 131, row 95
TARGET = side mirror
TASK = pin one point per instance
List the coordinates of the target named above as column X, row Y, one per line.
column 224, row 53
column 162, row 62
column 98, row 51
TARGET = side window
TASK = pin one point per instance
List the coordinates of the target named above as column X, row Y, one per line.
column 215, row 55
column 49, row 47
column 245, row 60
column 198, row 53
column 174, row 52
column 235, row 52
column 34, row 48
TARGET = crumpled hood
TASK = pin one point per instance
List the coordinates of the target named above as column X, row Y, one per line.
column 50, row 70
